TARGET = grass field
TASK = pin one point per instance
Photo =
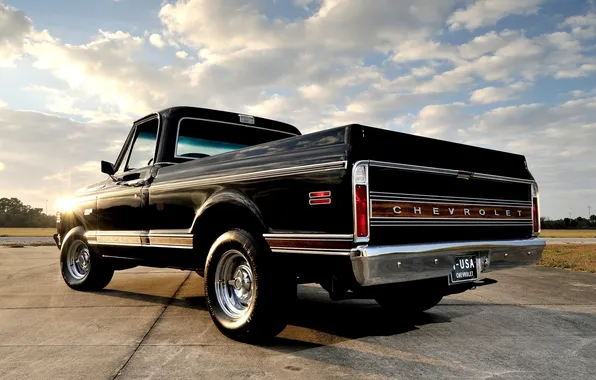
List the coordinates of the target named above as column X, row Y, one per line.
column 25, row 232
column 577, row 257
column 568, row 234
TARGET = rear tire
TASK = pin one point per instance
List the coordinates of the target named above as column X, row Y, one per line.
column 81, row 268
column 247, row 291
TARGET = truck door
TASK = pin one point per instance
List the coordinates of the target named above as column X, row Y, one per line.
column 120, row 203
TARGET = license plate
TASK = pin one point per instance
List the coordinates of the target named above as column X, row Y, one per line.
column 464, row 269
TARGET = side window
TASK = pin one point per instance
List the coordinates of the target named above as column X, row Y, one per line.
column 144, row 144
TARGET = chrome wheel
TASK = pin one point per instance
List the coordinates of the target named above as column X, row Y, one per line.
column 234, row 284
column 78, row 259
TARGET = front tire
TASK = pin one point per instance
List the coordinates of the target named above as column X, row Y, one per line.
column 248, row 295
column 82, row 269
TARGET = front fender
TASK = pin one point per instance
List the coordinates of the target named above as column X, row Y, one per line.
column 73, row 233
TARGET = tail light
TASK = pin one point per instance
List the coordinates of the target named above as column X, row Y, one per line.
column 535, row 210
column 361, row 204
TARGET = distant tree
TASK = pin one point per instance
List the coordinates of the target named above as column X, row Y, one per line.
column 593, row 219
column 13, row 213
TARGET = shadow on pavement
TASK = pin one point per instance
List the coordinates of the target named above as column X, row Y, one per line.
column 315, row 318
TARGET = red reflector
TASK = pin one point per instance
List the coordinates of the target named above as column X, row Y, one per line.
column 535, row 218
column 322, row 201
column 320, row 194
column 361, row 211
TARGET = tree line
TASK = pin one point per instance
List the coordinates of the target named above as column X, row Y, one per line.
column 568, row 223
column 13, row 213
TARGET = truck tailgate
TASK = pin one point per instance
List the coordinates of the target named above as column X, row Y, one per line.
column 427, row 190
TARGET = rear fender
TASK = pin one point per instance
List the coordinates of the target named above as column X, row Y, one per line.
column 231, row 198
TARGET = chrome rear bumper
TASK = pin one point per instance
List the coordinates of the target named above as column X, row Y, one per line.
column 376, row 265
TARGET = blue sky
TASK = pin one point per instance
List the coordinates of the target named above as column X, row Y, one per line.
column 508, row 75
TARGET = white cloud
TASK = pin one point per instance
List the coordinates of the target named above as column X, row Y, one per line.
column 157, row 41
column 448, row 81
column 2, row 104
column 436, row 120
column 103, row 69
column 315, row 91
column 489, row 12
column 487, row 43
column 421, row 50
column 29, row 144
column 182, row 54
column 492, row 94
column 14, row 28
column 423, row 71
column 583, row 26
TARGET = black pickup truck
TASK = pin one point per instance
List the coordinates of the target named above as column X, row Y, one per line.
column 256, row 208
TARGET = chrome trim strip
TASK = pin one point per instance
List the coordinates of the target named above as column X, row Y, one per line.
column 448, row 201
column 379, row 265
column 139, row 245
column 324, row 237
column 435, row 170
column 479, row 220
column 312, row 251
column 426, row 201
column 114, row 233
column 183, row 235
column 180, row 231
column 444, row 220
column 443, row 224
column 168, row 246
column 121, row 257
column 373, row 251
column 115, row 244
column 270, row 173
column 92, row 238
column 499, row 178
column 438, row 197
column 414, row 168
column 119, row 191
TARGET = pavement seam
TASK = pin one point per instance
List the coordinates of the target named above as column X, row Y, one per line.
column 150, row 328
column 10, row 276
column 76, row 307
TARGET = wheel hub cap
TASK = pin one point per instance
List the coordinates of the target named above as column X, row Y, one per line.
column 234, row 284
column 78, row 259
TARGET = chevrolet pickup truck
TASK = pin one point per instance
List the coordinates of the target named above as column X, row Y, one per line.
column 256, row 208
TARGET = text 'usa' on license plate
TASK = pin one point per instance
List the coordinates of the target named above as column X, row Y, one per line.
column 464, row 269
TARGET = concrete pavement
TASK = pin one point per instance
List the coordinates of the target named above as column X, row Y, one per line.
column 535, row 323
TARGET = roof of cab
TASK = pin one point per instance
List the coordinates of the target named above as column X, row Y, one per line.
column 225, row 116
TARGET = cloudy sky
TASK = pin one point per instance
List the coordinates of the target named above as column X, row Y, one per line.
column 514, row 75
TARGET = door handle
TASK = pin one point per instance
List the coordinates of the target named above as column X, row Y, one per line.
column 137, row 183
